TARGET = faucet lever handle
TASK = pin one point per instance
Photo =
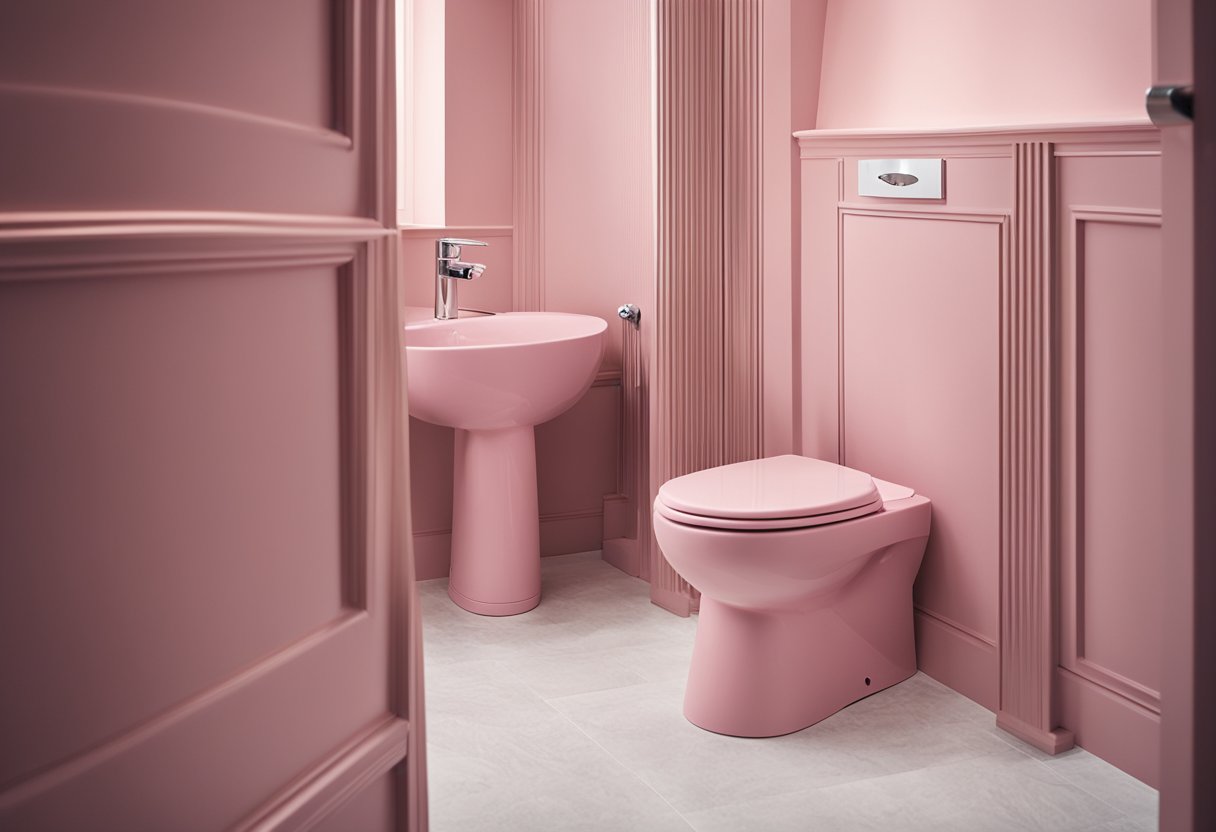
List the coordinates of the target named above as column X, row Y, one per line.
column 448, row 248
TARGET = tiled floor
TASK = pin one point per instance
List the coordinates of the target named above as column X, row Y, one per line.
column 568, row 718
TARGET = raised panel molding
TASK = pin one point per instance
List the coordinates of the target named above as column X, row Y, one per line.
column 1073, row 658
column 953, row 652
column 528, row 173
column 1027, row 608
column 99, row 245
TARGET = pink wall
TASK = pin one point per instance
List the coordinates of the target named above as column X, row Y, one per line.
column 591, row 159
column 944, row 63
column 477, row 68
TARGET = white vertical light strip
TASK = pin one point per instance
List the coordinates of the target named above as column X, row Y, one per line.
column 405, row 99
column 422, row 113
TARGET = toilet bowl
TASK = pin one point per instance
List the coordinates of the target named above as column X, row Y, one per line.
column 805, row 570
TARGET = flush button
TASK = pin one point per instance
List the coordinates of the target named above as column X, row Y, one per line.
column 900, row 178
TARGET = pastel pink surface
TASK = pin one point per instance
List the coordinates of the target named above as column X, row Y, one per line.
column 514, row 369
column 202, row 618
column 942, row 63
column 794, row 622
column 493, row 378
column 775, row 487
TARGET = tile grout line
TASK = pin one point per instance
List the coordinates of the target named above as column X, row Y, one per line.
column 621, row 763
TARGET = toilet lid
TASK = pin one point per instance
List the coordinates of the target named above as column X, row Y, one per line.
column 781, row 488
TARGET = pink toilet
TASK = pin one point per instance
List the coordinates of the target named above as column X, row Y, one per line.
column 805, row 569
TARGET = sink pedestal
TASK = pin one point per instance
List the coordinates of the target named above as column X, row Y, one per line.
column 495, row 522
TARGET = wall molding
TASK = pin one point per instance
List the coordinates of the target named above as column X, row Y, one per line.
column 1073, row 658
column 528, row 172
column 1120, row 138
column 1027, row 569
column 102, row 245
column 414, row 232
column 334, row 780
column 932, row 214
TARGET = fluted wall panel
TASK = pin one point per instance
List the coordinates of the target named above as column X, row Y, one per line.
column 706, row 385
column 742, row 89
column 528, row 288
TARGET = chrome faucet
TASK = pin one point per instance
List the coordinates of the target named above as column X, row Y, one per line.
column 448, row 269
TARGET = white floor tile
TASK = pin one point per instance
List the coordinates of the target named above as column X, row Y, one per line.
column 569, row 717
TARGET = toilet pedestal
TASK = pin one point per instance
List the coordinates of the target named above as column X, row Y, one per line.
column 763, row 673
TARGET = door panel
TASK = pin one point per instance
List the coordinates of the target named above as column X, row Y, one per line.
column 224, row 106
column 207, row 616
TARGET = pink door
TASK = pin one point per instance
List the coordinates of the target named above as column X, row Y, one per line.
column 207, row 617
column 1184, row 56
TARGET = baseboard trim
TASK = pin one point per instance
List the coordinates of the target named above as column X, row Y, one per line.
column 958, row 659
column 625, row 554
column 334, row 780
column 1125, row 734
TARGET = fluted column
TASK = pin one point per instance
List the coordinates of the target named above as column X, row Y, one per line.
column 528, row 174
column 1027, row 627
column 706, row 383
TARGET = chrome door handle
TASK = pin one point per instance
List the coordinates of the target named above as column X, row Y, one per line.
column 1169, row 105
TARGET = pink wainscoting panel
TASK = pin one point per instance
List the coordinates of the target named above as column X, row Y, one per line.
column 889, row 63
column 1121, row 478
column 1113, row 441
column 921, row 318
column 916, row 288
column 478, row 104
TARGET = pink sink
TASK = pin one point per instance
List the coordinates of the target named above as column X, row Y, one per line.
column 514, row 369
column 494, row 378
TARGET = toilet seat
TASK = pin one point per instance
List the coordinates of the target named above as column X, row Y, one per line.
column 783, row 492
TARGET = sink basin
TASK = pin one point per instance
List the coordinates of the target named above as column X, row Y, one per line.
column 494, row 378
column 514, row 369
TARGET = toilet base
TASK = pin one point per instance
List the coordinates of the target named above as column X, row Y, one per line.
column 763, row 673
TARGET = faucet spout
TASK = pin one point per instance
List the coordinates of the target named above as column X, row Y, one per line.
column 448, row 269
